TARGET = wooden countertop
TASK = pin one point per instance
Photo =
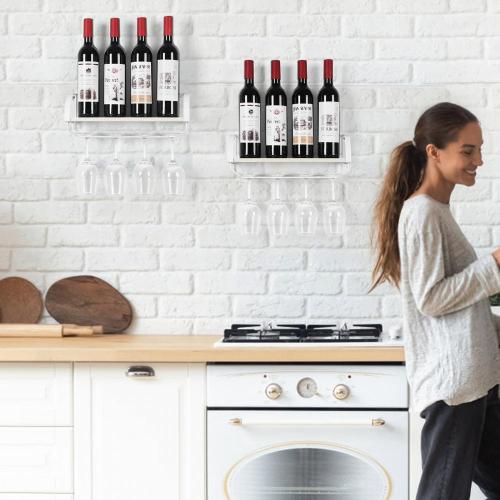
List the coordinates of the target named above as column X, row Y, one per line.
column 179, row 349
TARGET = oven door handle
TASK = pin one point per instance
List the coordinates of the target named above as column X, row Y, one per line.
column 368, row 422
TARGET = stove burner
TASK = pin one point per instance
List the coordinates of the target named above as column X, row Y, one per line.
column 302, row 333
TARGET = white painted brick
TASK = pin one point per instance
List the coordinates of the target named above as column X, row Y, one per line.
column 265, row 48
column 230, row 25
column 360, row 284
column 297, row 283
column 270, row 260
column 194, row 259
column 24, row 70
column 340, row 6
column 63, row 142
column 4, row 260
column 410, row 98
column 377, row 26
column 317, row 240
column 344, row 307
column 493, row 6
column 19, row 46
column 479, row 236
column 108, row 212
column 157, row 282
column 207, row 142
column 13, row 141
column 363, row 191
column 2, row 71
column 5, row 213
column 339, row 260
column 230, row 282
column 228, row 237
column 226, row 190
column 23, row 190
column 197, row 213
column 208, row 95
column 108, row 277
column 391, row 306
column 271, row 306
column 496, row 236
column 36, row 118
column 376, row 72
column 49, row 212
column 24, row 5
column 20, row 95
column 41, row 166
column 369, row 166
column 488, row 25
column 61, row 47
column 119, row 259
column 347, row 49
column 411, row 49
column 277, row 6
column 297, row 25
column 3, row 119
column 357, row 97
column 211, row 326
column 161, row 326
column 451, row 72
column 480, row 192
column 194, row 306
column 492, row 48
column 381, row 120
column 83, row 236
column 157, row 236
column 447, row 26
column 75, row 6
column 63, row 189
column 197, row 7
column 359, row 213
column 46, row 24
column 496, row 190
column 22, row 236
column 145, row 5
column 55, row 95
column 143, row 305
column 465, row 48
column 3, row 24
column 357, row 237
column 475, row 213
column 201, row 47
column 47, row 259
column 410, row 7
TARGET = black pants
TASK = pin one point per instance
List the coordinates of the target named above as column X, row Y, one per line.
column 461, row 444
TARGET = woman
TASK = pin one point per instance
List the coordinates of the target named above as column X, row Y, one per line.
column 451, row 339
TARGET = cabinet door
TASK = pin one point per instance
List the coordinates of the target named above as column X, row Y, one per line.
column 139, row 436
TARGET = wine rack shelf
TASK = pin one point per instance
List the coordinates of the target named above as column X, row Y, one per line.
column 289, row 168
column 129, row 126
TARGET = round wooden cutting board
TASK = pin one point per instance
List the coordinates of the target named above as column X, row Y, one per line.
column 87, row 300
column 20, row 301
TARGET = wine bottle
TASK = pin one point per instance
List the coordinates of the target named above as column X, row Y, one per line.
column 302, row 115
column 167, row 71
column 276, row 130
column 88, row 73
column 114, row 73
column 141, row 81
column 328, row 115
column 249, row 116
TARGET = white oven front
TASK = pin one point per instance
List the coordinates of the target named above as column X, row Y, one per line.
column 313, row 454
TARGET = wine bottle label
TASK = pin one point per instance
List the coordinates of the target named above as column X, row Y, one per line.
column 114, row 84
column 275, row 125
column 328, row 121
column 141, row 82
column 88, row 81
column 302, row 123
column 250, row 122
column 168, row 80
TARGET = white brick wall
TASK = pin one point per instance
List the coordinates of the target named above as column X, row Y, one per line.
column 183, row 264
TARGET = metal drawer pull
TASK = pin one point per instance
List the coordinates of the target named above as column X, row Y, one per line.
column 374, row 422
column 140, row 371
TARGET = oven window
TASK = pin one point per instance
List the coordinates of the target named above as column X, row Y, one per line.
column 308, row 473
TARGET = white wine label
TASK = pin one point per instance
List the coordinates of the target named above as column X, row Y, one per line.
column 328, row 122
column 302, row 123
column 88, row 81
column 141, row 82
column 168, row 80
column 275, row 125
column 249, row 122
column 114, row 84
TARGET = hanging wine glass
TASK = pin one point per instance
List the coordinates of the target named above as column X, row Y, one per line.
column 86, row 174
column 115, row 176
column 278, row 214
column 334, row 216
column 306, row 214
column 174, row 176
column 144, row 175
column 249, row 214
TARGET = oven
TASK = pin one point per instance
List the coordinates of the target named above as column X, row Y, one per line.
column 307, row 432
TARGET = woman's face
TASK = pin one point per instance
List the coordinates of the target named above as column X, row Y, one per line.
column 459, row 160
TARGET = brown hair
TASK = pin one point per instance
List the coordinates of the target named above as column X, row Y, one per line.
column 438, row 125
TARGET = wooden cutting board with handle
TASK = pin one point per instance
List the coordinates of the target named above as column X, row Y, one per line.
column 20, row 301
column 88, row 300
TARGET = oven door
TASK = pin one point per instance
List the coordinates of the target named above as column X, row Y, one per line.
column 307, row 455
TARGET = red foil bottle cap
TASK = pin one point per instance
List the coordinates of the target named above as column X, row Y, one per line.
column 248, row 69
column 88, row 27
column 114, row 27
column 275, row 70
column 142, row 27
column 168, row 26
column 328, row 69
column 302, row 69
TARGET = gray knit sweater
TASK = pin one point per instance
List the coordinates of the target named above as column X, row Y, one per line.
column 451, row 336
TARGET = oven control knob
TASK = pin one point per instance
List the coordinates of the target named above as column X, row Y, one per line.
column 341, row 391
column 273, row 391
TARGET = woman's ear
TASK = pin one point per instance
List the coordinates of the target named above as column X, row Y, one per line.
column 432, row 152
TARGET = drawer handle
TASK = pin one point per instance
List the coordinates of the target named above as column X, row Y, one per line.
column 374, row 422
column 140, row 371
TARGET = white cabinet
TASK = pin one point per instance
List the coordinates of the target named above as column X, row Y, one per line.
column 139, row 435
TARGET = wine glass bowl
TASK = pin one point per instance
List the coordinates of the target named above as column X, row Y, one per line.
column 174, row 179
column 145, row 178
column 115, row 176
column 86, row 177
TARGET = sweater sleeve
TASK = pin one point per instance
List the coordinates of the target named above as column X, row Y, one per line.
column 435, row 293
column 497, row 326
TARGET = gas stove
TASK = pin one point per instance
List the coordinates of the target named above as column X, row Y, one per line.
column 302, row 335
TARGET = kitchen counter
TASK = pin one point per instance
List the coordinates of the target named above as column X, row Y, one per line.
column 181, row 349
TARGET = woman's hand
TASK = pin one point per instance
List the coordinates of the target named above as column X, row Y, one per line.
column 496, row 255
